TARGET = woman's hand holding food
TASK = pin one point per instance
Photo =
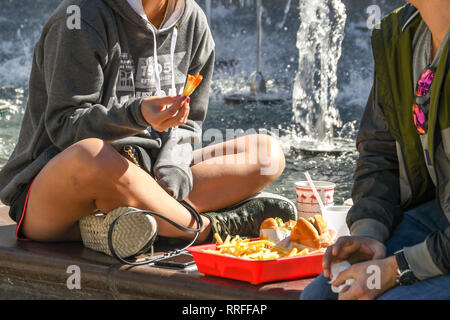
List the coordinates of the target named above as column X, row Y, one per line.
column 354, row 249
column 161, row 119
column 371, row 279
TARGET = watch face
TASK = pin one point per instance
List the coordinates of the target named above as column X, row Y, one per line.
column 407, row 278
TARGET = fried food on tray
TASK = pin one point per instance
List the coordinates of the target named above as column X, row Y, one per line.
column 306, row 234
column 191, row 84
column 325, row 235
column 275, row 230
column 254, row 250
column 279, row 239
column 277, row 223
column 311, row 233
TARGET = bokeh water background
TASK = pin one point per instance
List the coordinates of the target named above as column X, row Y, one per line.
column 233, row 24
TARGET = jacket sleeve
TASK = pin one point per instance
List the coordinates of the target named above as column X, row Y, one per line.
column 376, row 188
column 172, row 167
column 431, row 257
column 438, row 244
column 72, row 62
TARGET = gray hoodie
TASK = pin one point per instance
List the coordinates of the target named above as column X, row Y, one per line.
column 89, row 82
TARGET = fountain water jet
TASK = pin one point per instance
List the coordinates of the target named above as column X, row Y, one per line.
column 319, row 41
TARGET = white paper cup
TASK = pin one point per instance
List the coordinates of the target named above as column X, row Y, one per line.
column 335, row 218
column 307, row 204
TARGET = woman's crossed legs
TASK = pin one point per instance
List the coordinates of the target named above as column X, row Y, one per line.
column 91, row 175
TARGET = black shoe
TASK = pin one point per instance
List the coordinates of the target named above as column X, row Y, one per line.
column 245, row 218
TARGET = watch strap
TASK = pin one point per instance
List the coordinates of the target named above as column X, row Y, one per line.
column 404, row 274
column 401, row 261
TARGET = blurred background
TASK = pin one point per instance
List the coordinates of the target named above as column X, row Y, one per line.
column 315, row 56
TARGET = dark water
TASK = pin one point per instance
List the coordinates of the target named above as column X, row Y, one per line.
column 234, row 30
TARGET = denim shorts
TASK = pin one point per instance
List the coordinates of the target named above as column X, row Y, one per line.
column 18, row 208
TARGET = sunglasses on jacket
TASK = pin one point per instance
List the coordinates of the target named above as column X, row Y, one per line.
column 422, row 99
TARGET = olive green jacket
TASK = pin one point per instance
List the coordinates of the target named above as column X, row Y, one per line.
column 392, row 174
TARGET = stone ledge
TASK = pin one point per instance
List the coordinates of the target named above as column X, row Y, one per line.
column 31, row 270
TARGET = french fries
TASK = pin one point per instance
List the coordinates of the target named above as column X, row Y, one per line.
column 258, row 250
column 191, row 84
column 218, row 238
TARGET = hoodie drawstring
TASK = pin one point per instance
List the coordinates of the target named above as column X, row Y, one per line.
column 156, row 64
column 173, row 44
column 172, row 58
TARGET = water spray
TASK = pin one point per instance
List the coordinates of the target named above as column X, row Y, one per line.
column 319, row 41
column 4, row 110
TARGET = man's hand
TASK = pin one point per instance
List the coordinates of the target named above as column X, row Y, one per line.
column 363, row 288
column 152, row 109
column 353, row 249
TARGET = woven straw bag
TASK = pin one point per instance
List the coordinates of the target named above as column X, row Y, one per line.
column 130, row 235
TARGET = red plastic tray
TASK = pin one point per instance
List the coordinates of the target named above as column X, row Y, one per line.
column 256, row 272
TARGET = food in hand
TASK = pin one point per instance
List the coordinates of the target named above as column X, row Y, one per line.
column 191, row 84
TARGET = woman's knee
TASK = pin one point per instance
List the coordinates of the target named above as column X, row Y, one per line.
column 95, row 159
column 270, row 156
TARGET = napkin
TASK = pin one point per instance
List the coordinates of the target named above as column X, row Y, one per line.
column 336, row 269
column 275, row 235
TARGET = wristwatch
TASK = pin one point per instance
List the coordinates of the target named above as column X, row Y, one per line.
column 405, row 276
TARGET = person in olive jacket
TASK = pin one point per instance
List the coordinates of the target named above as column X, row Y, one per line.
column 399, row 245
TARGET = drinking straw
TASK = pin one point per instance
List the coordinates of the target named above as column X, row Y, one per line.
column 319, row 199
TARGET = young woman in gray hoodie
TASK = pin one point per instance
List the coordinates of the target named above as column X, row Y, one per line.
column 103, row 76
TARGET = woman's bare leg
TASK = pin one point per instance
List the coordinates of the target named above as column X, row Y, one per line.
column 91, row 175
column 232, row 171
